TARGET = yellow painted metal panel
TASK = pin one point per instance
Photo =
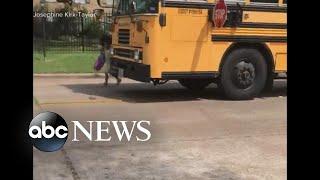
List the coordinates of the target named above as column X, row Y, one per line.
column 264, row 17
column 195, row 29
column 281, row 62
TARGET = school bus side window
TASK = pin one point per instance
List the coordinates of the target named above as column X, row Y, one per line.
column 265, row 1
column 234, row 1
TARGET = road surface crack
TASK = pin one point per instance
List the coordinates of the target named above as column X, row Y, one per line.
column 70, row 166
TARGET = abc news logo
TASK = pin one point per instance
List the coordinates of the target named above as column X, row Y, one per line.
column 49, row 131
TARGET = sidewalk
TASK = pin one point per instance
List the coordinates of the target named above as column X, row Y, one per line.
column 71, row 75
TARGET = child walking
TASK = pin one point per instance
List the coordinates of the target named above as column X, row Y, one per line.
column 104, row 57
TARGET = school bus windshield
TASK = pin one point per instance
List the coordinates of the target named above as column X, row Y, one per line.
column 142, row 6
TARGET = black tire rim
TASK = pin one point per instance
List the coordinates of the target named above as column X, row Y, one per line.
column 243, row 75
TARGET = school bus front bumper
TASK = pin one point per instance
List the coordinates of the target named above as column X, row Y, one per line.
column 130, row 69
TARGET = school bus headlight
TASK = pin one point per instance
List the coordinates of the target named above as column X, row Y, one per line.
column 136, row 55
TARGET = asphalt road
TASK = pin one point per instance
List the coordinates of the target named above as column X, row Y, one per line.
column 194, row 135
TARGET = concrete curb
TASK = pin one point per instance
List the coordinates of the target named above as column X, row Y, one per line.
column 71, row 75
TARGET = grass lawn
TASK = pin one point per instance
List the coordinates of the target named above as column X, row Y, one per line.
column 76, row 62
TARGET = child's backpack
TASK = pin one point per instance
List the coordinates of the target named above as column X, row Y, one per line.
column 100, row 62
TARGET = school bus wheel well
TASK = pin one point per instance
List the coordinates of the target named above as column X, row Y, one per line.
column 261, row 47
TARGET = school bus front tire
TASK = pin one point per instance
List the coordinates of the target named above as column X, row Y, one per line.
column 243, row 74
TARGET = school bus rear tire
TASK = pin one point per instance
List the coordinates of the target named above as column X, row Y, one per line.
column 195, row 84
column 243, row 74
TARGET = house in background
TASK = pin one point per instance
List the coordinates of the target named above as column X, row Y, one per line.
column 52, row 5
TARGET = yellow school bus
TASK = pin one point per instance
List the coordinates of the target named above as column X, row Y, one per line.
column 160, row 40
